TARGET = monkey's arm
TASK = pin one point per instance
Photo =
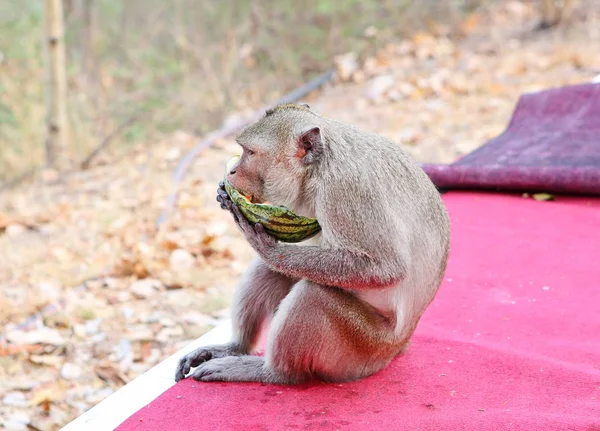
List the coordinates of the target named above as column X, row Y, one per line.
column 331, row 267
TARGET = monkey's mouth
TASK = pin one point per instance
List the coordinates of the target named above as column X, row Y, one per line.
column 253, row 199
column 258, row 201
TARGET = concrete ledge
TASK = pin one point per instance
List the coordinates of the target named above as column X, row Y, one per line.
column 112, row 411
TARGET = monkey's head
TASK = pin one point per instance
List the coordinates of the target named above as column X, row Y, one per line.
column 279, row 150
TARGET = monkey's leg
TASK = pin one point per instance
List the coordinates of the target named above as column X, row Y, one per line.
column 318, row 332
column 259, row 293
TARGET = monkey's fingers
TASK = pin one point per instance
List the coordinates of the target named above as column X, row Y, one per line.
column 190, row 360
column 239, row 218
column 223, row 194
column 265, row 238
column 225, row 202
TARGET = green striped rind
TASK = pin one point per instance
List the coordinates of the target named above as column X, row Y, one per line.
column 278, row 221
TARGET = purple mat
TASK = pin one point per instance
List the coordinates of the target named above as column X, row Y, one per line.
column 552, row 144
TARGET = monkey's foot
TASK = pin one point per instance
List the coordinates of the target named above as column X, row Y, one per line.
column 234, row 369
column 203, row 354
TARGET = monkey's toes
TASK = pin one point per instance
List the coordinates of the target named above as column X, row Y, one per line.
column 190, row 360
column 205, row 374
column 215, row 370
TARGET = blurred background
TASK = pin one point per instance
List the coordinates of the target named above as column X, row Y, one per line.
column 93, row 290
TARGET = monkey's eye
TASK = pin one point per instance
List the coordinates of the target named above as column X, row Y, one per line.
column 250, row 152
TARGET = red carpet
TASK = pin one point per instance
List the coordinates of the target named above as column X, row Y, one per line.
column 511, row 342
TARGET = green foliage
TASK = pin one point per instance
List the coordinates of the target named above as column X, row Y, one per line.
column 187, row 62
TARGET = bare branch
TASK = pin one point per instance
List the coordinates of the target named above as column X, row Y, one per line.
column 107, row 140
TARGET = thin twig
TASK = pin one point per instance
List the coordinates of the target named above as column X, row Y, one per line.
column 107, row 139
column 185, row 163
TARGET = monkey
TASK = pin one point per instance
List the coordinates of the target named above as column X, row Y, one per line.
column 553, row 11
column 344, row 303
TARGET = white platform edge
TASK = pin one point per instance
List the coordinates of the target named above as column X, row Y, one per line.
column 116, row 408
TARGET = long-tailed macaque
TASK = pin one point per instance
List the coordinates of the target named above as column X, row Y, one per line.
column 343, row 304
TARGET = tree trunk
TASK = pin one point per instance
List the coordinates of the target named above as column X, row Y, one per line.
column 56, row 84
column 87, row 44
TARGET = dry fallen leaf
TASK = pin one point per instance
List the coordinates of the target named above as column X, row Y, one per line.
column 110, row 373
column 543, row 197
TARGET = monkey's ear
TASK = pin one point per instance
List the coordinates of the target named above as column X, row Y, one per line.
column 310, row 145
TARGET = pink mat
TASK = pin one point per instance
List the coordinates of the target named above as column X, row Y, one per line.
column 512, row 341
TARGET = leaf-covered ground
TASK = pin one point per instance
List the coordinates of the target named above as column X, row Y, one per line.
column 112, row 294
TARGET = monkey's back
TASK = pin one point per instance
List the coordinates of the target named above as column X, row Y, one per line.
column 391, row 211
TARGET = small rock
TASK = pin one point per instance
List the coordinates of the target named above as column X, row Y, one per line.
column 99, row 395
column 379, row 85
column 406, row 47
column 17, row 421
column 71, row 371
column 394, row 95
column 181, row 260
column 143, row 289
column 123, row 296
column 124, row 354
column 141, row 333
column 43, row 335
column 49, row 290
column 346, row 65
column 15, row 399
column 370, row 31
column 111, row 282
column 410, row 136
column 173, row 154
column 92, row 326
column 217, row 229
column 49, row 176
column 370, row 65
column 128, row 312
column 166, row 321
column 24, row 384
column 167, row 334
column 180, row 298
column 14, row 230
column 197, row 318
column 359, row 77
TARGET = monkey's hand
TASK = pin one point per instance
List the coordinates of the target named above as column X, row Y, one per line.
column 223, row 198
column 255, row 234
